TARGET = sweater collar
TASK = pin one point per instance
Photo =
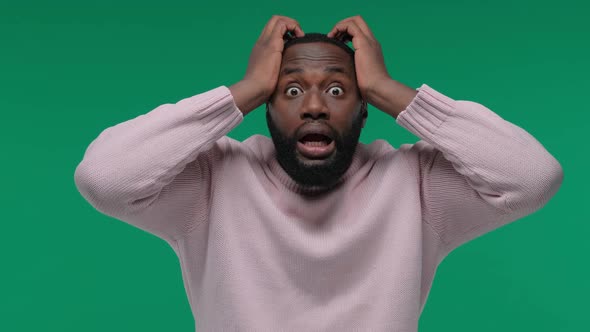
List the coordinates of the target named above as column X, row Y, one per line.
column 359, row 158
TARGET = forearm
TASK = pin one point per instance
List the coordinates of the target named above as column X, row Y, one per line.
column 391, row 97
column 135, row 159
column 247, row 96
column 504, row 163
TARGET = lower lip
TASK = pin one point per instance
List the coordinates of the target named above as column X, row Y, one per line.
column 316, row 152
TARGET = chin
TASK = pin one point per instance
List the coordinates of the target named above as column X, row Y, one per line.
column 304, row 161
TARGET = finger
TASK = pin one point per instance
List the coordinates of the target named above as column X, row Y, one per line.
column 350, row 28
column 333, row 31
column 363, row 26
column 359, row 21
column 296, row 28
column 269, row 27
column 291, row 24
column 283, row 30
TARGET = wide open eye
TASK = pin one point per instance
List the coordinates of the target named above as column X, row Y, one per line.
column 336, row 91
column 292, row 91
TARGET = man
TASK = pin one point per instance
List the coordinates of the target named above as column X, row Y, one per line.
column 312, row 230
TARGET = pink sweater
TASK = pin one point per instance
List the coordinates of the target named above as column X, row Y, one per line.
column 257, row 253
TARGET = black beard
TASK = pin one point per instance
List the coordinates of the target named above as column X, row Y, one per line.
column 332, row 168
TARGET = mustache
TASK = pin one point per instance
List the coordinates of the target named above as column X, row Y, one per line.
column 335, row 133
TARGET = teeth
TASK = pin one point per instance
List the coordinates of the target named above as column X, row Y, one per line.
column 316, row 143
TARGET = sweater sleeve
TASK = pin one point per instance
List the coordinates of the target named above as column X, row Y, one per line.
column 154, row 171
column 477, row 171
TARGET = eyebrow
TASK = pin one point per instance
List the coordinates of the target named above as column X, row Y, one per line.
column 329, row 69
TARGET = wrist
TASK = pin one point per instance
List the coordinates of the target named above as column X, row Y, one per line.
column 390, row 96
column 247, row 95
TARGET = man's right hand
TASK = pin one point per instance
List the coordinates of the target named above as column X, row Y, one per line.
column 264, row 64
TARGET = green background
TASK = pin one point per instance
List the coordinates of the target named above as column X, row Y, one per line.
column 69, row 70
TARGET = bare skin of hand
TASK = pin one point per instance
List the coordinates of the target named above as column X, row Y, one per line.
column 375, row 84
column 264, row 64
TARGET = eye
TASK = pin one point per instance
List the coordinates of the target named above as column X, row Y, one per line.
column 291, row 91
column 337, row 92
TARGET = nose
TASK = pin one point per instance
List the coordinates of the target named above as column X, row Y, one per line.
column 314, row 106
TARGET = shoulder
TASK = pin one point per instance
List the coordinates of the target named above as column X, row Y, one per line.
column 382, row 149
column 256, row 146
column 418, row 151
column 413, row 157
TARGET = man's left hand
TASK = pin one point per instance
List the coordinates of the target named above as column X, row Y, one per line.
column 368, row 58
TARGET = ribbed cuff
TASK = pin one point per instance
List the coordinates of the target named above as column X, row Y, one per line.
column 427, row 111
column 222, row 97
column 218, row 104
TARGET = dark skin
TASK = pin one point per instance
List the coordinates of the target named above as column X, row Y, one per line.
column 314, row 93
column 375, row 85
column 265, row 82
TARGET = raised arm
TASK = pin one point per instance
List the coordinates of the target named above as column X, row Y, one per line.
column 125, row 171
column 154, row 171
column 476, row 170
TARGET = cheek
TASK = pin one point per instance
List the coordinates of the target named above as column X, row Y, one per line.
column 286, row 112
column 282, row 121
column 343, row 113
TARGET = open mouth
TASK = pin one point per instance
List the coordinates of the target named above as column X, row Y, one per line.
column 316, row 146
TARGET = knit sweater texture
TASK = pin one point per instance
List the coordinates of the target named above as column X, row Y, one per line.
column 259, row 252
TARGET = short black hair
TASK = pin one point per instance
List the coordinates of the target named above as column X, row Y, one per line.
column 314, row 37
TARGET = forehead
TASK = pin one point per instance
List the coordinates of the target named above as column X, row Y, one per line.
column 303, row 57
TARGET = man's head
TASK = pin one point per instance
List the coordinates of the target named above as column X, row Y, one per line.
column 316, row 93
